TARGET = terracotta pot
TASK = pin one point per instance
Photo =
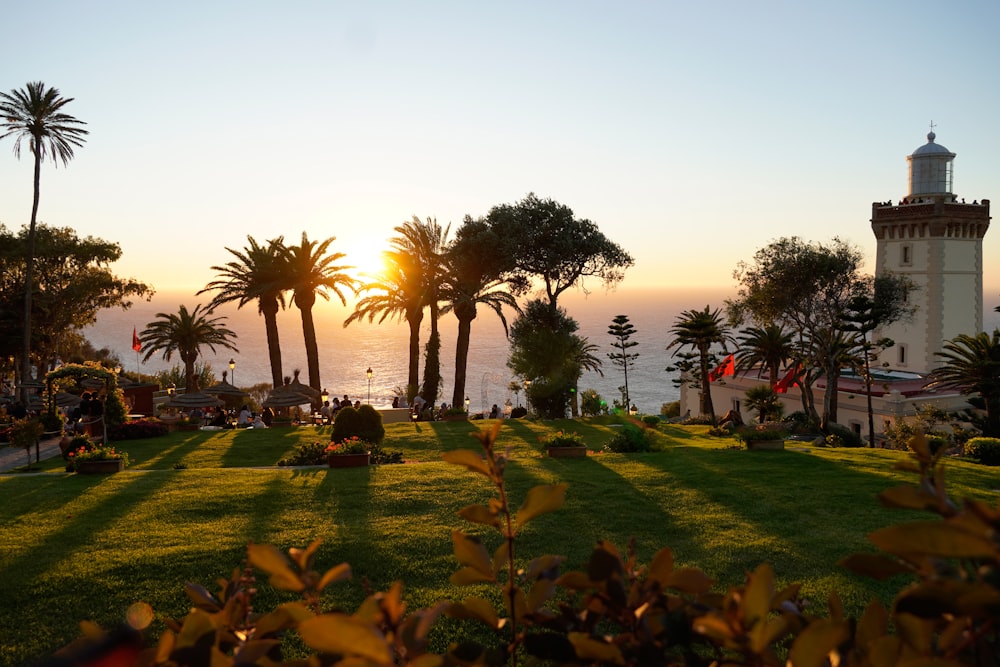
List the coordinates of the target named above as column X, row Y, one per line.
column 568, row 452
column 349, row 460
column 99, row 467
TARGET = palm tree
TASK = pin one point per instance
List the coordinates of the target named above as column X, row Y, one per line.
column 972, row 365
column 310, row 271
column 396, row 293
column 700, row 330
column 424, row 244
column 185, row 333
column 257, row 274
column 473, row 277
column 768, row 347
column 35, row 113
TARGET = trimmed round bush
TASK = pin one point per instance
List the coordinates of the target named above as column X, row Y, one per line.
column 629, row 439
column 984, row 450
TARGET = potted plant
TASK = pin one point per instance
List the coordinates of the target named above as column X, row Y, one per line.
column 349, row 453
column 762, row 438
column 98, row 459
column 564, row 444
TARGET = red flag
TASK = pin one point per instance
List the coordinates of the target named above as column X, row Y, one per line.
column 136, row 345
column 727, row 367
column 790, row 379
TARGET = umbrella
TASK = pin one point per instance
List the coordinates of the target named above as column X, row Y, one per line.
column 285, row 399
column 296, row 387
column 67, row 400
column 226, row 390
column 193, row 399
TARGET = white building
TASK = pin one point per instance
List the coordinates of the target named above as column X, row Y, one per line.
column 936, row 240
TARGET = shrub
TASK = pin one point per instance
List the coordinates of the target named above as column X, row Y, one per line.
column 651, row 420
column 846, row 437
column 750, row 434
column 519, row 411
column 370, row 425
column 590, row 403
column 984, row 450
column 52, row 422
column 346, row 424
column 800, row 422
column 630, row 438
column 672, row 409
column 137, row 430
column 97, row 453
column 306, row 454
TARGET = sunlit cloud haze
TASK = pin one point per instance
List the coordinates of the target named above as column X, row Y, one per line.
column 692, row 133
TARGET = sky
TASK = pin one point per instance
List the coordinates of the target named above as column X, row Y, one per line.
column 691, row 133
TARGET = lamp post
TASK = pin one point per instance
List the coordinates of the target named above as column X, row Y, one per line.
column 527, row 394
column 232, row 370
column 467, row 401
column 369, row 374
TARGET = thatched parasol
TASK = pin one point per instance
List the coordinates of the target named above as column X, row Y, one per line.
column 295, row 386
column 285, row 399
column 226, row 390
column 193, row 399
column 67, row 400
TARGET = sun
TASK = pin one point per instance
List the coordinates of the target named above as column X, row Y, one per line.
column 365, row 256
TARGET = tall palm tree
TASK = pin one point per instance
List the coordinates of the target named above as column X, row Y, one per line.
column 423, row 243
column 396, row 293
column 700, row 330
column 185, row 333
column 36, row 113
column 971, row 364
column 768, row 347
column 257, row 274
column 473, row 278
column 311, row 271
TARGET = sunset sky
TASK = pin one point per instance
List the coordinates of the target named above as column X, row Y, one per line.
column 691, row 133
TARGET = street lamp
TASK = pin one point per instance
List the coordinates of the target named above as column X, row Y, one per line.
column 171, row 388
column 324, row 395
column 369, row 374
column 467, row 405
column 232, row 370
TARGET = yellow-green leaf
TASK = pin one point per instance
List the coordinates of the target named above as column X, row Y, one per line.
column 303, row 557
column 468, row 458
column 345, row 635
column 814, row 644
column 689, row 580
column 713, row 627
column 283, row 617
column 471, row 552
column 766, row 633
column 906, row 497
column 266, row 557
column 540, row 593
column 577, row 581
column 500, row 557
column 757, row 597
column 588, row 649
column 540, row 500
column 662, row 566
column 337, row 573
column 476, row 608
column 876, row 566
column 933, row 538
column 543, row 565
column 873, row 625
column 479, row 514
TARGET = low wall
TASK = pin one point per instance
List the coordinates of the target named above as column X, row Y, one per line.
column 395, row 415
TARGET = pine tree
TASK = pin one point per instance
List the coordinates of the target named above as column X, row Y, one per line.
column 621, row 329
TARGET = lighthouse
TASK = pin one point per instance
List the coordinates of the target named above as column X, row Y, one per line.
column 936, row 240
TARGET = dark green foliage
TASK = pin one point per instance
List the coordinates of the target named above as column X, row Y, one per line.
column 631, row 438
column 591, row 403
column 137, row 430
column 346, row 424
column 370, row 425
column 306, row 454
column 984, row 450
column 847, row 437
column 52, row 422
column 800, row 422
column 518, row 412
column 380, row 456
column 651, row 420
column 672, row 409
column 622, row 330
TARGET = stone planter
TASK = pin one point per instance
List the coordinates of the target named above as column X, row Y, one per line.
column 766, row 444
column 568, row 452
column 100, row 467
column 349, row 460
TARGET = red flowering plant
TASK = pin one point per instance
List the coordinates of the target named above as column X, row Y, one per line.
column 97, row 453
column 352, row 445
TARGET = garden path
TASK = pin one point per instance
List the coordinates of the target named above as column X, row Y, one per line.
column 13, row 457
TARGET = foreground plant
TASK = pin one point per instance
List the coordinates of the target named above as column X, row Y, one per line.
column 616, row 611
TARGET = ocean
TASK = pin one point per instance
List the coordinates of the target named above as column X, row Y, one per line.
column 347, row 353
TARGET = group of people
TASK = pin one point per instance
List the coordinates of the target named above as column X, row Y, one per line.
column 248, row 419
column 328, row 411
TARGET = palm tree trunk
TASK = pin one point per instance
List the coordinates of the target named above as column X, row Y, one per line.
column 461, row 357
column 269, row 309
column 706, row 389
column 413, row 368
column 312, row 348
column 29, row 270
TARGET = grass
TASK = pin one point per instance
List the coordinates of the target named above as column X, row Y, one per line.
column 78, row 547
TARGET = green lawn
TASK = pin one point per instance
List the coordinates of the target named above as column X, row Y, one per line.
column 85, row 547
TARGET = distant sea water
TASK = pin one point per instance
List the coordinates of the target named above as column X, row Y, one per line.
column 347, row 353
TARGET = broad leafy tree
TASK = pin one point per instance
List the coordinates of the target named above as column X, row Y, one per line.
column 312, row 271
column 621, row 330
column 701, row 331
column 474, row 277
column 185, row 333
column 543, row 240
column 35, row 115
column 550, row 356
column 806, row 288
column 971, row 364
column 258, row 274
column 73, row 281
